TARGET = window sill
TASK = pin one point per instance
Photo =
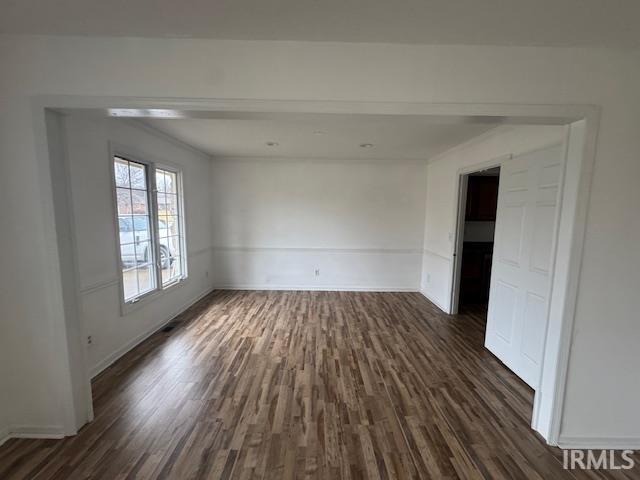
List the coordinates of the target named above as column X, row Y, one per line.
column 131, row 306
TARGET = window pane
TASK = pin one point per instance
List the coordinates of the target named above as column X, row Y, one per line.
column 165, row 255
column 130, row 283
column 171, row 182
column 123, row 197
column 146, row 280
column 162, row 203
column 127, row 255
column 135, row 235
column 172, row 272
column 171, row 204
column 174, row 244
column 144, row 252
column 163, row 226
column 121, row 170
column 172, row 225
column 160, row 181
column 127, row 237
column 169, row 226
column 139, row 202
column 125, row 223
column 141, row 227
column 138, row 175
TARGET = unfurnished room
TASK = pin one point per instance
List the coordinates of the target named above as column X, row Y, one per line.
column 338, row 240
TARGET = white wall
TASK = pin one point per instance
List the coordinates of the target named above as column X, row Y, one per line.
column 360, row 223
column 442, row 183
column 604, row 350
column 87, row 147
column 4, row 400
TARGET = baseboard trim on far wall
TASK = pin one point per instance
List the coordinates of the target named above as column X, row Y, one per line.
column 386, row 251
column 314, row 288
column 599, row 443
column 109, row 360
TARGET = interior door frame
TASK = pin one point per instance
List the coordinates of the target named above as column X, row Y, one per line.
column 69, row 345
column 461, row 208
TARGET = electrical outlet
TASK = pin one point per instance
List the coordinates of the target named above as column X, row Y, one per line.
column 89, row 340
column 317, row 272
column 206, row 274
column 428, row 278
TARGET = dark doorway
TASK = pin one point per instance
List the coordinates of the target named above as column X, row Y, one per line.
column 477, row 241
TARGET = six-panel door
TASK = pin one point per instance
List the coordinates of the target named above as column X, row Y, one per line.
column 522, row 263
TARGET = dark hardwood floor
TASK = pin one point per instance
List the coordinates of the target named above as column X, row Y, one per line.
column 305, row 384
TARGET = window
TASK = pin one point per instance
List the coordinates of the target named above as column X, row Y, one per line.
column 169, row 226
column 150, row 224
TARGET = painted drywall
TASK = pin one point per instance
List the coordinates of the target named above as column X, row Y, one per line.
column 604, row 346
column 318, row 223
column 4, row 401
column 441, row 207
column 87, row 145
column 78, row 411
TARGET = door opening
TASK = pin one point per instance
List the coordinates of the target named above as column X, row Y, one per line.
column 504, row 255
column 478, row 206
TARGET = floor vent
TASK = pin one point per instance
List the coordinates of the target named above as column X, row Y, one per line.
column 169, row 327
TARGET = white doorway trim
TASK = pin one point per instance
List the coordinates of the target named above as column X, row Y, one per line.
column 549, row 399
column 458, row 241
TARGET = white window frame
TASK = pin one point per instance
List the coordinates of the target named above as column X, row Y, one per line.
column 151, row 165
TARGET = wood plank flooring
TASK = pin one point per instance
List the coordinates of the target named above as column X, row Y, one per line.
column 332, row 385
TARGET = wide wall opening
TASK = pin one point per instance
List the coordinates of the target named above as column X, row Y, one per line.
column 314, row 201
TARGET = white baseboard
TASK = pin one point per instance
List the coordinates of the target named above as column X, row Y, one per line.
column 315, row 288
column 599, row 443
column 31, row 431
column 109, row 360
column 434, row 301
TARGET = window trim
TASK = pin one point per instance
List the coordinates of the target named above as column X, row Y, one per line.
column 151, row 163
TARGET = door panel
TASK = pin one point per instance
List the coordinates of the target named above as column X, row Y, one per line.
column 532, row 333
column 512, row 227
column 544, row 219
column 505, row 305
column 523, row 252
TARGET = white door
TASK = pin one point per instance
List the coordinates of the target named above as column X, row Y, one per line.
column 522, row 260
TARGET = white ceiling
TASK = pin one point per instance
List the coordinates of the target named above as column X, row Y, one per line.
column 323, row 136
column 496, row 22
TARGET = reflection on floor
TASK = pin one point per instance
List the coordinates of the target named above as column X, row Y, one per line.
column 304, row 384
